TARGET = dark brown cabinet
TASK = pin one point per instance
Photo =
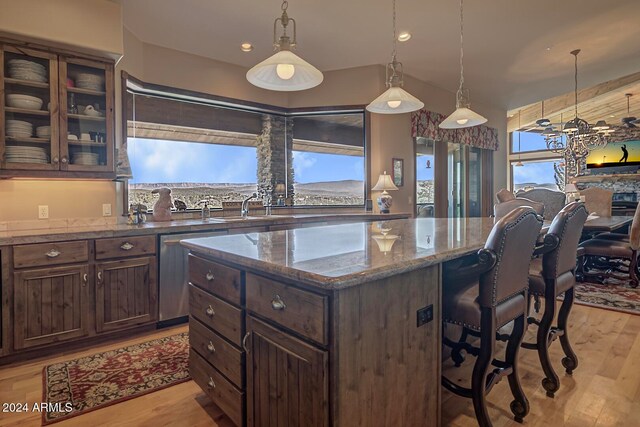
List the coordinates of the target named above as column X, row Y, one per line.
column 287, row 379
column 126, row 293
column 50, row 305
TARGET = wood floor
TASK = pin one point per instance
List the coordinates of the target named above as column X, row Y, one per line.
column 604, row 390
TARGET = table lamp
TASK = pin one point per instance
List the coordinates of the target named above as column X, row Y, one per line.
column 384, row 184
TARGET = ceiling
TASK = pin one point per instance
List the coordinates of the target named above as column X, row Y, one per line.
column 516, row 52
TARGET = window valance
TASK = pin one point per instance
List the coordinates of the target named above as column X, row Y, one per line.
column 425, row 124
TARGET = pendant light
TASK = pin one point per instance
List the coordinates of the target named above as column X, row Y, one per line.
column 463, row 117
column 395, row 100
column 284, row 71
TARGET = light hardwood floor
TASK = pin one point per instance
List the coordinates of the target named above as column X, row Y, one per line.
column 604, row 390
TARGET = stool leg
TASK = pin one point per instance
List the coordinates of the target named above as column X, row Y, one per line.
column 481, row 367
column 570, row 362
column 520, row 404
column 456, row 353
column 551, row 382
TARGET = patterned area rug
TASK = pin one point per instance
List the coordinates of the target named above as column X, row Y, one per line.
column 613, row 295
column 89, row 383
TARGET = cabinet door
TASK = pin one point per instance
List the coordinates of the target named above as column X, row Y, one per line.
column 126, row 293
column 50, row 305
column 287, row 379
column 28, row 109
column 86, row 115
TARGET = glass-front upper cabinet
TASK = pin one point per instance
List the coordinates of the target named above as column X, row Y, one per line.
column 29, row 109
column 85, row 111
column 56, row 115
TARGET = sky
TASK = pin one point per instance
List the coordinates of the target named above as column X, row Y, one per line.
column 422, row 172
column 534, row 173
column 158, row 161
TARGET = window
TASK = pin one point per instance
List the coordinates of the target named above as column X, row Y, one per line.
column 194, row 171
column 214, row 151
column 425, row 166
column 536, row 174
column 523, row 142
column 328, row 159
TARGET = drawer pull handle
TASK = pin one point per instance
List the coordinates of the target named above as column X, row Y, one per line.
column 210, row 383
column 210, row 276
column 100, row 276
column 211, row 347
column 277, row 303
column 126, row 246
column 53, row 253
column 244, row 342
column 209, row 311
column 85, row 279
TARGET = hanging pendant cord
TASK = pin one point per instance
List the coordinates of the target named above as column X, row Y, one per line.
column 461, row 45
column 576, row 82
column 393, row 53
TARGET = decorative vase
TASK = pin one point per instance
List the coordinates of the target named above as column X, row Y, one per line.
column 384, row 202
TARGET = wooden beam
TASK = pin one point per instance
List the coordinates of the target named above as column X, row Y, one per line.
column 565, row 103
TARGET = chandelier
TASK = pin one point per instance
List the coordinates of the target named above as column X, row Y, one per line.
column 577, row 137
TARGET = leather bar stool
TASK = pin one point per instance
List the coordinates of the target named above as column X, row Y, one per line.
column 487, row 295
column 503, row 208
column 550, row 275
column 614, row 250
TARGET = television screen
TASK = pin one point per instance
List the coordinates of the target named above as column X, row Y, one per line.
column 623, row 156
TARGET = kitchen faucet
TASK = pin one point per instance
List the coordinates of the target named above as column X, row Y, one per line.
column 245, row 205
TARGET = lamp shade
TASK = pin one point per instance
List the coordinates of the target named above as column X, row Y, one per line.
column 462, row 118
column 385, row 183
column 285, row 71
column 280, row 188
column 395, row 100
column 570, row 188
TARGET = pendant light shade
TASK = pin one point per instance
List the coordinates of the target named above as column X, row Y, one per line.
column 284, row 71
column 463, row 116
column 395, row 100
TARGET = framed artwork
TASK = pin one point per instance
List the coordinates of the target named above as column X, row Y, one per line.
column 398, row 172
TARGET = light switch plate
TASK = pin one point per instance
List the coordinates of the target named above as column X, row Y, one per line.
column 43, row 212
column 106, row 209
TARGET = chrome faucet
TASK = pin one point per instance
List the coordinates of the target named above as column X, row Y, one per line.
column 245, row 205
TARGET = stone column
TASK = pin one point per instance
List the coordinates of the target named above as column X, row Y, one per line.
column 275, row 156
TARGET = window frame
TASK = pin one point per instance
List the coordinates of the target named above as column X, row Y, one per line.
column 527, row 156
column 132, row 84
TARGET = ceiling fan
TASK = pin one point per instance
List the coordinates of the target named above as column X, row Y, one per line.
column 629, row 121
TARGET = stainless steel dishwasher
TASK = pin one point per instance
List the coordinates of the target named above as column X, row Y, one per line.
column 174, row 275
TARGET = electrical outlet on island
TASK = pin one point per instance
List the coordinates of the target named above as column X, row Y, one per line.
column 43, row 212
column 106, row 209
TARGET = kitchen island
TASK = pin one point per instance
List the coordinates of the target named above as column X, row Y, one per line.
column 335, row 325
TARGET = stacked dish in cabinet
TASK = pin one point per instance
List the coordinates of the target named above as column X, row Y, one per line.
column 23, row 69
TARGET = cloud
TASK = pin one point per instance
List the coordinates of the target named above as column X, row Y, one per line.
column 302, row 161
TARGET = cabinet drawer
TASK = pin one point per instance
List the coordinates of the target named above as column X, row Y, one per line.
column 216, row 314
column 125, row 247
column 42, row 254
column 216, row 278
column 217, row 387
column 219, row 353
column 298, row 310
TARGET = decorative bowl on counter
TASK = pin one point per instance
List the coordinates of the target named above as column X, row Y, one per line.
column 24, row 101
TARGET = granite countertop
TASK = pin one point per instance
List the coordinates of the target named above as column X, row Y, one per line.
column 78, row 232
column 338, row 256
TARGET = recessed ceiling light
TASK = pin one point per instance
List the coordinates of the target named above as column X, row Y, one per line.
column 246, row 47
column 548, row 48
column 404, row 36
